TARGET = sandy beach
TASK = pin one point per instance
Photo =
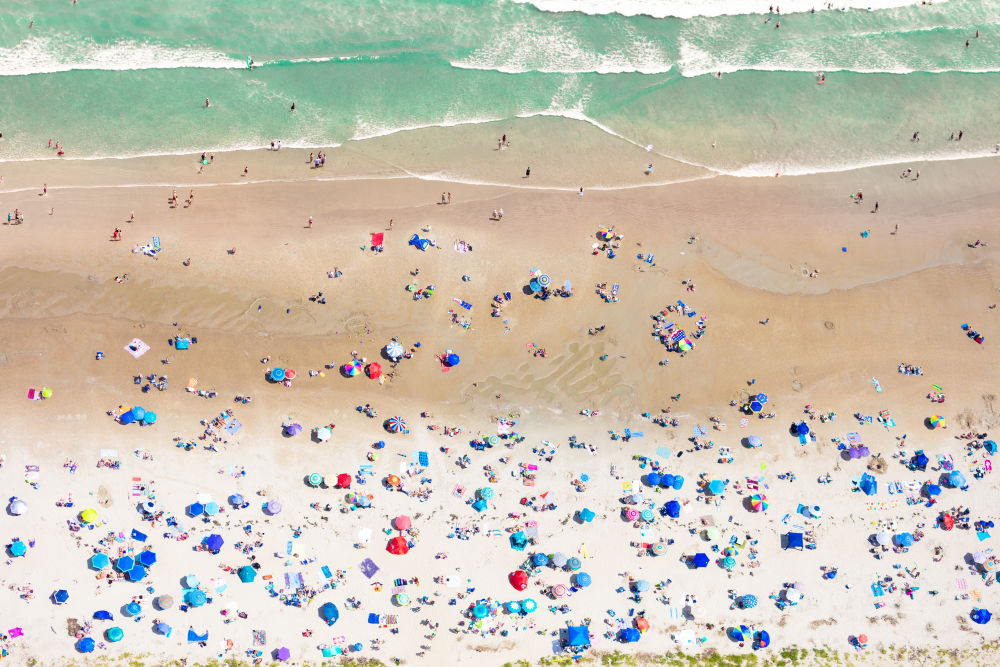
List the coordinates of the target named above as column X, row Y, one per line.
column 793, row 288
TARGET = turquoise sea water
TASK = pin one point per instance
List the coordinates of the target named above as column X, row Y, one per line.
column 117, row 77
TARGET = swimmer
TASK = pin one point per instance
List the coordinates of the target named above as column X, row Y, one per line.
column 207, row 103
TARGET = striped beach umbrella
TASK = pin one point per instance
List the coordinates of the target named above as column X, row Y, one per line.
column 659, row 548
column 632, row 514
column 937, row 421
column 493, row 440
column 315, row 479
column 163, row 602
column 544, row 280
column 485, row 493
column 758, row 502
column 277, row 374
column 729, row 562
column 647, row 514
column 559, row 590
column 395, row 425
column 574, row 563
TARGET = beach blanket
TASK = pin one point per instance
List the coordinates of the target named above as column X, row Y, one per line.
column 156, row 243
column 364, row 535
column 463, row 304
column 462, row 246
column 233, row 426
column 377, row 238
column 664, row 452
column 136, row 348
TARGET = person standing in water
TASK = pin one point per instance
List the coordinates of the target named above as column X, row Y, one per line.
column 207, row 103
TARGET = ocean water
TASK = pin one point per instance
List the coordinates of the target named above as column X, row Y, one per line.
column 112, row 78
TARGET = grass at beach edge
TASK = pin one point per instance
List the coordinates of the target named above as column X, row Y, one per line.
column 813, row 657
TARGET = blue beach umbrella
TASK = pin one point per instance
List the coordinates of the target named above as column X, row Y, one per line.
column 277, row 374
column 528, row 605
column 678, row 482
column 60, row 596
column 149, row 418
column 86, row 645
column 195, row 597
column 957, row 479
column 653, row 479
column 247, row 574
column 932, row 490
column 196, row 509
column 514, row 607
column 700, row 560
column 582, row 579
column 99, row 561
column 138, row 412
column 587, row 515
column 124, row 564
column 133, row 609
column 236, row 499
column 539, row 560
column 748, row 601
column 480, row 611
column 329, row 613
column 212, row 508
column 146, row 558
column 904, row 539
column 673, row 509
column 18, row 548
column 802, row 428
column 981, row 616
column 213, row 542
column 716, row 487
column 640, row 586
column 137, row 573
column 104, row 615
column 452, row 359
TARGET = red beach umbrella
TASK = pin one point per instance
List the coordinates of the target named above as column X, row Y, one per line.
column 518, row 579
column 397, row 546
column 344, row 480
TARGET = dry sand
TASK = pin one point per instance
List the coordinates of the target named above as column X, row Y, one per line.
column 890, row 298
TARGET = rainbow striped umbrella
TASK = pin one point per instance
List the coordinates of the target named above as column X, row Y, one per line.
column 395, row 425
column 758, row 502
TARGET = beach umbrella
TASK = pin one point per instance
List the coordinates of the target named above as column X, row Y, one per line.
column 647, row 515
column 937, row 421
column 904, row 539
column 99, row 561
column 528, row 605
column 402, row 522
column 247, row 574
column 793, row 595
column 191, row 581
column 802, row 428
column 758, row 502
column 397, row 546
column 363, row 501
column 990, row 565
column 323, row 433
column 667, row 480
column 163, row 602
column 947, row 522
column 957, row 480
column 125, row 563
column 374, row 370
column 236, row 499
column 932, row 490
column 103, row 615
column 272, row 507
column 213, row 542
column 764, row 639
column 485, row 493
column 344, row 481
column 138, row 412
column 980, row 557
column 518, row 579
column 981, row 616
column 196, row 509
column 559, row 590
column 559, row 559
column 164, row 629
column 673, row 509
column 700, row 560
column 401, row 599
column 212, row 508
column 574, row 563
column 716, row 487
column 277, row 374
column 283, row 654
column 149, row 418
column 146, row 558
column 114, row 634
column 148, row 507
column 452, row 359
column 632, row 514
column 394, row 350
column 629, row 635
column 755, row 441
column 637, row 498
column 17, row 507
column 18, row 548
column 350, row 369
column 678, row 482
column 854, row 452
column 86, row 645
column 514, row 607
column 60, row 596
column 868, row 485
column 729, row 562
column 534, row 286
column 133, row 609
column 289, row 374
column 582, row 579
column 653, row 479
column 329, row 613
column 544, row 280
column 658, row 548
column 480, row 611
column 640, row 586
column 538, row 560
column 137, row 573
column 315, row 479
column 606, row 233
column 756, row 406
column 493, row 440
column 864, row 451
column 748, row 601
column 126, row 418
column 711, row 533
column 293, row 429
column 395, row 425
column 641, row 624
column 587, row 515
column 195, row 597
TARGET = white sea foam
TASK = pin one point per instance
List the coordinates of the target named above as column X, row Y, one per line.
column 45, row 54
column 691, row 8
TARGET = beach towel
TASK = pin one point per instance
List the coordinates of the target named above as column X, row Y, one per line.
column 34, row 395
column 804, row 439
column 136, row 348
column 139, row 537
column 744, row 422
column 368, row 568
column 156, row 243
column 423, row 459
column 233, row 426
column 364, row 535
column 699, row 431
column 877, row 590
column 373, row 619
column 463, row 304
column 878, row 387
column 664, row 452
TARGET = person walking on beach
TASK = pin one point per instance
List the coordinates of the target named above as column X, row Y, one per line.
column 916, row 136
column 45, row 189
column 527, row 172
column 310, row 222
column 876, row 208
column 449, row 197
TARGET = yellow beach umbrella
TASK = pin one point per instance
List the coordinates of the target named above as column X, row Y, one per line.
column 88, row 515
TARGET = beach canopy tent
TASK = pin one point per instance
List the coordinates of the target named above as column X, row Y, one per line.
column 329, row 612
column 673, row 509
column 86, row 645
column 981, row 616
column 700, row 560
column 577, row 635
column 794, row 541
column 247, row 574
column 419, row 243
column 629, row 635
column 868, row 485
column 518, row 579
column 587, row 515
